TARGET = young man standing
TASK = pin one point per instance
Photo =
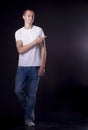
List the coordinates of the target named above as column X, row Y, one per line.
column 30, row 44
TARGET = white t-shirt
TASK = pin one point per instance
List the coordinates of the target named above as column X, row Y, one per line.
column 31, row 57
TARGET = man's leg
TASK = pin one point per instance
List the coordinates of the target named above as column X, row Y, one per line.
column 33, row 82
column 20, row 82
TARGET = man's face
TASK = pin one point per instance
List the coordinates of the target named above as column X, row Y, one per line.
column 28, row 17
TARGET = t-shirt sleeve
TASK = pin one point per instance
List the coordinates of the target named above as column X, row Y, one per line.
column 42, row 33
column 17, row 35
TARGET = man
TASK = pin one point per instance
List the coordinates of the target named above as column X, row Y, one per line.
column 30, row 44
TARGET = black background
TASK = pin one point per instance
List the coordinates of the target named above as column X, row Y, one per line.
column 63, row 91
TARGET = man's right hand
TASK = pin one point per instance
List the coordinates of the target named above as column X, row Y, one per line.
column 40, row 39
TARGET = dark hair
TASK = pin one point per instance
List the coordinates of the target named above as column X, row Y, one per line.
column 28, row 10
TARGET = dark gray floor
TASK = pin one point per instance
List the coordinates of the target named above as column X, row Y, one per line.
column 43, row 125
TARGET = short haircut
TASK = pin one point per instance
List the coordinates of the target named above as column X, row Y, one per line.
column 24, row 12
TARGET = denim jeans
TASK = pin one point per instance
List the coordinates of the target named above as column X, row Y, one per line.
column 27, row 77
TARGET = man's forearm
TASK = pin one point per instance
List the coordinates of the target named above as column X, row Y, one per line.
column 22, row 49
column 27, row 47
column 43, row 57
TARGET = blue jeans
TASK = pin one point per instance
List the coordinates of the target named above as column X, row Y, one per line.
column 27, row 77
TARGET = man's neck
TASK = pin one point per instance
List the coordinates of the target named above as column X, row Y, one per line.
column 28, row 26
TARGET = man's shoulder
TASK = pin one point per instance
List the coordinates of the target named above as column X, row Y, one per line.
column 37, row 27
column 18, row 30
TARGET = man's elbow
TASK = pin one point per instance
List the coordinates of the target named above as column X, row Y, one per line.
column 20, row 51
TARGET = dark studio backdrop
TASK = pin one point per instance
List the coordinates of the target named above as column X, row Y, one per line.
column 63, row 91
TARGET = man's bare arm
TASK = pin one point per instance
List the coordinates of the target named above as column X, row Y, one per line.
column 41, row 71
column 22, row 49
column 43, row 54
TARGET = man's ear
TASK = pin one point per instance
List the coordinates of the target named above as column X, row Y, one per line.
column 23, row 17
